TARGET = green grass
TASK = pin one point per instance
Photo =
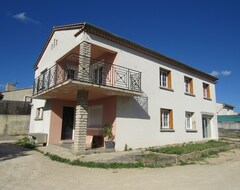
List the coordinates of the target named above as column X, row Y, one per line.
column 25, row 142
column 188, row 148
column 94, row 164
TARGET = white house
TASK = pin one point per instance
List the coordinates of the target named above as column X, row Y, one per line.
column 86, row 77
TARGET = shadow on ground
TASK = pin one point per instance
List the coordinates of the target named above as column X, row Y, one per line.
column 11, row 150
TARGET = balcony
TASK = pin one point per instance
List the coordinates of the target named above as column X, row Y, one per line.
column 81, row 72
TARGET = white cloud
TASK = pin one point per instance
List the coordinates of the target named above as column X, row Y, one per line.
column 215, row 73
column 226, row 73
column 23, row 18
column 220, row 73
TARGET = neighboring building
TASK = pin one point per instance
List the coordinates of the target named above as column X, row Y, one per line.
column 228, row 121
column 225, row 109
column 86, row 77
column 15, row 110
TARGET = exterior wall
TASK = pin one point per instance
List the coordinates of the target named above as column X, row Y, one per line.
column 109, row 115
column 60, row 43
column 138, row 128
column 56, row 119
column 40, row 126
column 17, row 95
column 14, row 124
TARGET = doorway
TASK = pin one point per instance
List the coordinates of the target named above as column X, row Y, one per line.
column 67, row 123
column 206, row 126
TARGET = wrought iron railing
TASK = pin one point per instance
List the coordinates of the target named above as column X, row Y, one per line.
column 85, row 69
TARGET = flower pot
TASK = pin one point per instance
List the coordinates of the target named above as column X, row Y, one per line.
column 109, row 144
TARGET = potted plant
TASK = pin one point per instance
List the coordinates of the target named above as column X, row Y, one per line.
column 107, row 132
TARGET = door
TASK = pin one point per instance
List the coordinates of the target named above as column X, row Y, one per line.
column 206, row 125
column 67, row 123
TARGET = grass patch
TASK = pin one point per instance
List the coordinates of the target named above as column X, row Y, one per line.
column 94, row 164
column 188, row 148
column 25, row 142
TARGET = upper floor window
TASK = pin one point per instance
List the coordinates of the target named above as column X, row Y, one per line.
column 166, row 119
column 188, row 85
column 165, row 78
column 206, row 91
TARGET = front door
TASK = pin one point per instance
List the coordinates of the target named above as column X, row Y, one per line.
column 206, row 125
column 67, row 123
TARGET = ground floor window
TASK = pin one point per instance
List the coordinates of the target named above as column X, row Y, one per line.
column 39, row 114
column 189, row 121
column 95, row 115
column 166, row 119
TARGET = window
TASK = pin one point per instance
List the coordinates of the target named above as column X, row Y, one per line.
column 165, row 78
column 98, row 75
column 98, row 72
column 206, row 91
column 188, row 85
column 95, row 115
column 27, row 99
column 39, row 114
column 166, row 119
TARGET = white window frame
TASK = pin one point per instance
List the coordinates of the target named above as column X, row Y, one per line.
column 164, row 78
column 187, row 82
column 165, row 119
column 189, row 120
column 205, row 90
column 39, row 113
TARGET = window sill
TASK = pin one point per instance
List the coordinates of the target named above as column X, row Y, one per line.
column 165, row 88
column 209, row 99
column 167, row 130
column 191, row 130
column 38, row 119
column 188, row 94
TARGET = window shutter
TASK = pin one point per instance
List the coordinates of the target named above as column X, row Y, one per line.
column 170, row 119
column 208, row 91
column 169, row 80
column 191, row 86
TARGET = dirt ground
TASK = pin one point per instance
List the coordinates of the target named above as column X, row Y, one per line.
column 24, row 169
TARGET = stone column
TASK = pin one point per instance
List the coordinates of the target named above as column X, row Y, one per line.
column 84, row 62
column 81, row 118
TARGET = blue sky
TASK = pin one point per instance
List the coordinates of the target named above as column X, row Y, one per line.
column 204, row 34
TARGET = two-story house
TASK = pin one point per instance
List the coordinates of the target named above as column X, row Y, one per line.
column 86, row 77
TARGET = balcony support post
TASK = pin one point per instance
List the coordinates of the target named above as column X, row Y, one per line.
column 81, row 118
column 84, row 62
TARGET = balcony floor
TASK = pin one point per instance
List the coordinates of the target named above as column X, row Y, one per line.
column 68, row 91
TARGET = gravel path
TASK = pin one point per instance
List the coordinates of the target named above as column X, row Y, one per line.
column 22, row 169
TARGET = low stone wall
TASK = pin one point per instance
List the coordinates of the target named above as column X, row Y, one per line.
column 160, row 159
column 14, row 124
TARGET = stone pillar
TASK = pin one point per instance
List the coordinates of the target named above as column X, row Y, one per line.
column 81, row 118
column 84, row 62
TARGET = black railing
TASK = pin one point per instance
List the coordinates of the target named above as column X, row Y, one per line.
column 85, row 69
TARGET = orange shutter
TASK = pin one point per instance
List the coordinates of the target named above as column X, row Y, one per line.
column 191, row 86
column 169, row 80
column 208, row 91
column 171, row 119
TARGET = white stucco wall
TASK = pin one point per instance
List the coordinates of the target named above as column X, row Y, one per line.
column 43, row 125
column 137, row 128
column 66, row 41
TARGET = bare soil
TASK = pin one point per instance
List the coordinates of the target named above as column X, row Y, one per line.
column 24, row 169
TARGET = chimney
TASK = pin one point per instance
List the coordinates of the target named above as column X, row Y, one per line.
column 10, row 87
